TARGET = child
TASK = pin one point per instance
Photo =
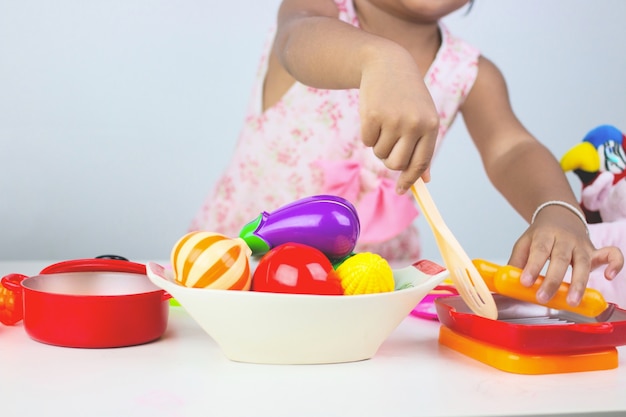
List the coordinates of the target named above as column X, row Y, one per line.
column 344, row 76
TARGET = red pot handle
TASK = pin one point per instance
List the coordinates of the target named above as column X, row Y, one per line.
column 12, row 282
column 11, row 307
column 95, row 264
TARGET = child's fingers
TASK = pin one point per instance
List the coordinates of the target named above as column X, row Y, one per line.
column 400, row 156
column 581, row 265
column 370, row 131
column 519, row 254
column 561, row 256
column 611, row 256
column 385, row 145
column 538, row 256
column 419, row 162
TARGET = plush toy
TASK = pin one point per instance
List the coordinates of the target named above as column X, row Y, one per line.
column 599, row 161
column 601, row 151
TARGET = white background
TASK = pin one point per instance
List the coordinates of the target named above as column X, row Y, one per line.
column 116, row 117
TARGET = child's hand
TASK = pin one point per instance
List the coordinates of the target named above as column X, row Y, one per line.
column 561, row 239
column 398, row 117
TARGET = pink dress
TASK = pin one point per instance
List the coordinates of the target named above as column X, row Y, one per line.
column 310, row 143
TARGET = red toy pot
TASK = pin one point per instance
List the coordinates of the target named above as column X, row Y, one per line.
column 90, row 303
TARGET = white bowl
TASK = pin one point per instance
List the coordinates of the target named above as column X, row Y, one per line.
column 272, row 328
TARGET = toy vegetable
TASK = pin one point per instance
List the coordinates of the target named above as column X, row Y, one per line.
column 325, row 222
column 365, row 273
column 297, row 269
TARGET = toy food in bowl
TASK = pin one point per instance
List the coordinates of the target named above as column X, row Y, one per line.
column 327, row 222
column 365, row 273
column 296, row 269
column 211, row 260
column 277, row 328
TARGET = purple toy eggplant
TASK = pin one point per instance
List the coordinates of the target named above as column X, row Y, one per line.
column 326, row 222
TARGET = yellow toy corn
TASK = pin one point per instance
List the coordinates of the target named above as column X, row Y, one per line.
column 365, row 273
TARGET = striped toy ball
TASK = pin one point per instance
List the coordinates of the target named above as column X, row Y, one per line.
column 211, row 260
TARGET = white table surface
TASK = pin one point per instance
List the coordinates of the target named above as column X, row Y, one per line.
column 185, row 374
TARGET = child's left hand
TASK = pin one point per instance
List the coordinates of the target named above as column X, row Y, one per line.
column 562, row 241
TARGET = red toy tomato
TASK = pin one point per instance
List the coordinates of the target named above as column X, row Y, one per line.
column 297, row 269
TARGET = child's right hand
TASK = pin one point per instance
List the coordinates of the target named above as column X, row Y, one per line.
column 398, row 117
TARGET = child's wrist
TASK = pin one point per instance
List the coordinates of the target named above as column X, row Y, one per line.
column 563, row 204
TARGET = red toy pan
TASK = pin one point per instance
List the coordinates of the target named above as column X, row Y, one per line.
column 87, row 303
column 531, row 328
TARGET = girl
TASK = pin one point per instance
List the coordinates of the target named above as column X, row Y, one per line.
column 344, row 76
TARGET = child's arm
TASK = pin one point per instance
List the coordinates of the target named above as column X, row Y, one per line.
column 398, row 117
column 528, row 175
